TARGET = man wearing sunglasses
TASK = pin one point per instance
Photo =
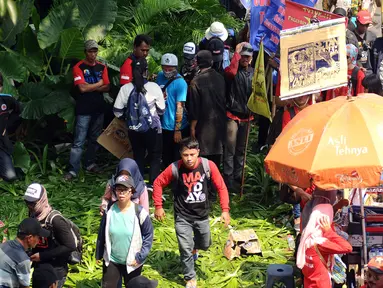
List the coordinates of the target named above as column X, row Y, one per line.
column 238, row 75
column 375, row 273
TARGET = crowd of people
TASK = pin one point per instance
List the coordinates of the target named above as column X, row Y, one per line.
column 184, row 122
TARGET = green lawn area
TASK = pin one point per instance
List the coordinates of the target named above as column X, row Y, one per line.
column 79, row 200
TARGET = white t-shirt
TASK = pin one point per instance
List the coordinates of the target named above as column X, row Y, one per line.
column 154, row 97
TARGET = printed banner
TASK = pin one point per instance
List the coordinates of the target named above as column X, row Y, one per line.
column 258, row 9
column 309, row 3
column 300, row 15
column 271, row 27
column 258, row 102
column 313, row 61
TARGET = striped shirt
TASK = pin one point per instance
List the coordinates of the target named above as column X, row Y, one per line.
column 14, row 265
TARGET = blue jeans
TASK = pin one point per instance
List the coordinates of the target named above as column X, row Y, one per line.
column 186, row 242
column 7, row 171
column 87, row 127
column 296, row 211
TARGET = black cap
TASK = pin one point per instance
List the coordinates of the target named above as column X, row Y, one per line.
column 216, row 47
column 44, row 275
column 30, row 226
column 125, row 180
column 142, row 282
column 204, row 59
column 340, row 11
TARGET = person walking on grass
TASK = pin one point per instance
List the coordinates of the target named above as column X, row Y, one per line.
column 192, row 176
column 15, row 264
column 56, row 247
column 91, row 80
column 174, row 121
column 127, row 237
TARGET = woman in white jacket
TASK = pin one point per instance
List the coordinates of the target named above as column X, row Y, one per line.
column 128, row 236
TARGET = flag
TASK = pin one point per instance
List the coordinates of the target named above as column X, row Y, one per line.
column 258, row 102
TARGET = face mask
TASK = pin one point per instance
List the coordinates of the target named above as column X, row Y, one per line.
column 171, row 74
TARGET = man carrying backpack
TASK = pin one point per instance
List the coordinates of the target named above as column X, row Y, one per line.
column 174, row 121
column 192, row 177
column 58, row 248
column 91, row 79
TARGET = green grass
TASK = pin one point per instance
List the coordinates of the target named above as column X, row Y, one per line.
column 79, row 200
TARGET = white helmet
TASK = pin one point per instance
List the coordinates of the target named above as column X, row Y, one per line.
column 169, row 60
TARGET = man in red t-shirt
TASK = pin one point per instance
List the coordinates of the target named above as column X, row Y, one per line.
column 91, row 81
column 191, row 178
column 140, row 50
column 375, row 273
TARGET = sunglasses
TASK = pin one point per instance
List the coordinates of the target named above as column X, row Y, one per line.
column 30, row 203
column 123, row 191
column 246, row 49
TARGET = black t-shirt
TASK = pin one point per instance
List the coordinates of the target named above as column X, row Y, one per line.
column 191, row 196
column 8, row 104
column 89, row 103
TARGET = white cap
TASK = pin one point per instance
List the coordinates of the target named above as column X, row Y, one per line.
column 169, row 60
column 33, row 193
column 189, row 50
column 216, row 29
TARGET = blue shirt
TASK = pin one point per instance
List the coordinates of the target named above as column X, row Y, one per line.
column 121, row 233
column 176, row 92
column 14, row 265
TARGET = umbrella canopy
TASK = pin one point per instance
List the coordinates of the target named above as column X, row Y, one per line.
column 335, row 144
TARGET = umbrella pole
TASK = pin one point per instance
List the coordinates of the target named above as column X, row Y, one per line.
column 363, row 219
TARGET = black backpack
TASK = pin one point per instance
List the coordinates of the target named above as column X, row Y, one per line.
column 75, row 256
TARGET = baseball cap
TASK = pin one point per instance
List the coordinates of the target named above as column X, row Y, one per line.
column 90, row 44
column 340, row 11
column 376, row 264
column 216, row 29
column 216, row 47
column 31, row 226
column 204, row 59
column 125, row 180
column 44, row 275
column 169, row 60
column 33, row 192
column 247, row 50
column 189, row 50
column 364, row 17
column 142, row 282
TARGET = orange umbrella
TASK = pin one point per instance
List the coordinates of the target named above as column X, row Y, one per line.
column 335, row 144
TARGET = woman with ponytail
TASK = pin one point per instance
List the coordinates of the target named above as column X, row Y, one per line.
column 150, row 141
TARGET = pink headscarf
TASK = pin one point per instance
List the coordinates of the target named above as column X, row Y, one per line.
column 313, row 234
column 42, row 208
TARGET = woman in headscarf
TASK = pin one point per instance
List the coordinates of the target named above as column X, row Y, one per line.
column 355, row 76
column 54, row 250
column 129, row 167
column 319, row 243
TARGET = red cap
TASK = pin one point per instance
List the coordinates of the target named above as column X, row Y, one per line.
column 364, row 17
column 376, row 264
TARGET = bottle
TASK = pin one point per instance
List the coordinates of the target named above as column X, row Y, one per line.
column 291, row 242
column 372, row 253
column 344, row 216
